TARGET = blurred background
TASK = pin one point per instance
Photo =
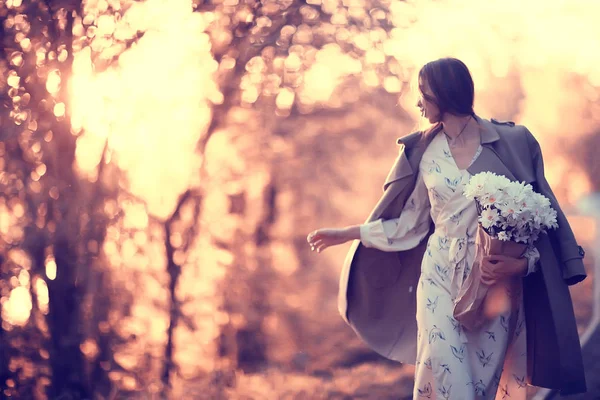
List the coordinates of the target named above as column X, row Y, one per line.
column 161, row 163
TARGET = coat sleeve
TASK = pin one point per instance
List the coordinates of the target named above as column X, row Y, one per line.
column 405, row 232
column 570, row 253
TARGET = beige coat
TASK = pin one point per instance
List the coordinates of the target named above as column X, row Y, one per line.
column 377, row 289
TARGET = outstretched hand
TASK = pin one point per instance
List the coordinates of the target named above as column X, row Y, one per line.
column 498, row 267
column 321, row 239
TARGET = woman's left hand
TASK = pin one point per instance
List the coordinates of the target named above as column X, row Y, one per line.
column 321, row 239
column 498, row 267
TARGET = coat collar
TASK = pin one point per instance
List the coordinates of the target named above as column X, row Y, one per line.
column 414, row 145
column 489, row 134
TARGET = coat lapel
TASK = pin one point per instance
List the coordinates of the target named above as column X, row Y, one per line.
column 410, row 156
column 403, row 173
column 401, row 169
column 413, row 147
column 488, row 160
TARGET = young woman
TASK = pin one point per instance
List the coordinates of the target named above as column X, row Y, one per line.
column 417, row 248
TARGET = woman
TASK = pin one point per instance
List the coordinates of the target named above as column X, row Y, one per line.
column 423, row 228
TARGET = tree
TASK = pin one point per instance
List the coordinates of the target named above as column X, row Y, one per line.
column 65, row 222
column 160, row 166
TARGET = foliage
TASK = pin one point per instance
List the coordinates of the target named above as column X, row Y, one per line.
column 160, row 165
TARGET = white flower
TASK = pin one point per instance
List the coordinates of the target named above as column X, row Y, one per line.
column 504, row 236
column 520, row 236
column 501, row 198
column 520, row 213
column 542, row 201
column 510, row 220
column 489, row 217
column 484, row 182
column 508, row 208
column 518, row 192
column 475, row 187
column 489, row 200
column 549, row 218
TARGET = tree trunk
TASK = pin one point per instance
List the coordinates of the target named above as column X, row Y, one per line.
column 174, row 272
column 246, row 293
column 4, row 354
column 66, row 290
column 66, row 359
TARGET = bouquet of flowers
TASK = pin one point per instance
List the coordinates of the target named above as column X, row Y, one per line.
column 511, row 217
column 510, row 210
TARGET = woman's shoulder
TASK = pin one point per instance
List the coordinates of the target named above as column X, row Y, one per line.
column 410, row 139
column 511, row 132
column 415, row 138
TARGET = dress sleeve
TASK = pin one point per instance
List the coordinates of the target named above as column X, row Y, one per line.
column 406, row 231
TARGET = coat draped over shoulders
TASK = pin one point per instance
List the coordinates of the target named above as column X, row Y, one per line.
column 377, row 289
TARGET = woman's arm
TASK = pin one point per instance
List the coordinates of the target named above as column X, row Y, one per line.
column 321, row 239
column 405, row 232
column 396, row 234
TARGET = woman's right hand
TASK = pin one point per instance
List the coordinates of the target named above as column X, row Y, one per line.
column 321, row 239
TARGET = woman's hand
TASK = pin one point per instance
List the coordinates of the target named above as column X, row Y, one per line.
column 498, row 267
column 321, row 239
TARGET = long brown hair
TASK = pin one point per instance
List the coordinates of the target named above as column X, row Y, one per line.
column 452, row 85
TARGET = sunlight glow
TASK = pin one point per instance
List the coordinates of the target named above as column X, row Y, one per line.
column 16, row 309
column 143, row 88
column 51, row 268
column 153, row 106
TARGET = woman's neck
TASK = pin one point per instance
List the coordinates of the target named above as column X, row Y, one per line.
column 454, row 125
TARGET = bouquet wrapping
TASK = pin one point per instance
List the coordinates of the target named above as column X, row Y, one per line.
column 511, row 218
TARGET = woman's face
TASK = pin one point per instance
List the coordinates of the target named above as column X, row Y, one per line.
column 428, row 108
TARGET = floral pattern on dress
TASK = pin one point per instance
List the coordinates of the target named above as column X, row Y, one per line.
column 453, row 363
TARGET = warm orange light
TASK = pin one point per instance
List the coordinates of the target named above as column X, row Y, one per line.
column 14, row 3
column 41, row 169
column 13, row 79
column 59, row 109
column 150, row 108
column 41, row 292
column 151, row 129
column 53, row 82
column 25, row 44
column 90, row 349
column 51, row 268
column 17, row 308
column 285, row 99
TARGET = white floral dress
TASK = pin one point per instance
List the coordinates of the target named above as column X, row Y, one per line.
column 452, row 363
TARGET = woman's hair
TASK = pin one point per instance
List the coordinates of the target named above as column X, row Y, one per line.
column 452, row 85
